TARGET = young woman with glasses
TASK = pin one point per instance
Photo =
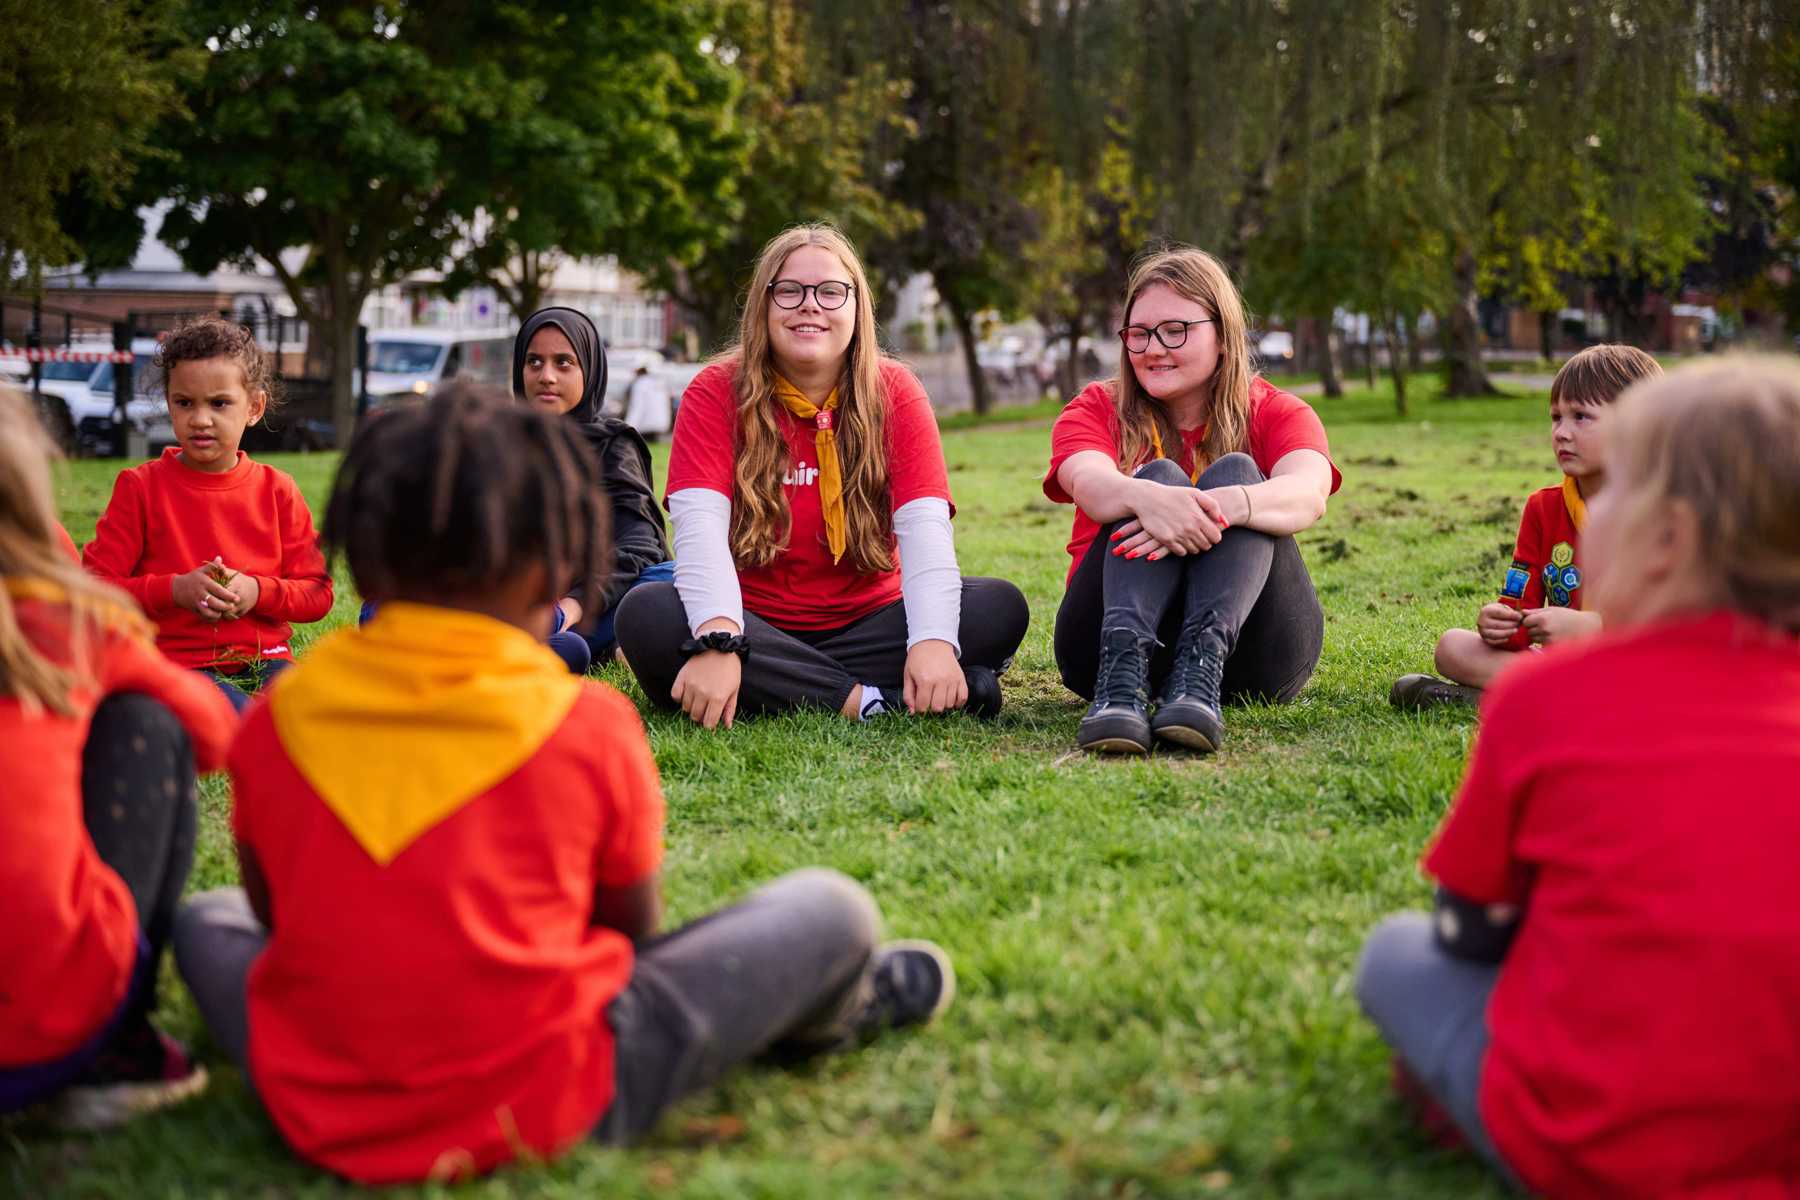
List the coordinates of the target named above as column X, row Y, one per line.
column 1190, row 476
column 814, row 565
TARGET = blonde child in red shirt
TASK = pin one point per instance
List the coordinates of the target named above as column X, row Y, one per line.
column 99, row 740
column 1545, row 580
column 219, row 551
column 1606, row 999
column 444, row 955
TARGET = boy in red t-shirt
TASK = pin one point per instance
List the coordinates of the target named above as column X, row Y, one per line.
column 1606, row 1000
column 1541, row 598
column 444, row 955
column 218, row 550
column 100, row 737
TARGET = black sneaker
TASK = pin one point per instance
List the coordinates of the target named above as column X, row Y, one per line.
column 912, row 982
column 1188, row 713
column 1420, row 692
column 1118, row 721
column 984, row 693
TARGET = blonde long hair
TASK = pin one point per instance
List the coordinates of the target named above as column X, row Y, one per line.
column 1197, row 276
column 1724, row 438
column 32, row 562
column 760, row 521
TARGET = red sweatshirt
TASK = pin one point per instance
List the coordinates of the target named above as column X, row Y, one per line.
column 68, row 940
column 165, row 519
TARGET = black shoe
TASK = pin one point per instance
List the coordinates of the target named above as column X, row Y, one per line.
column 984, row 693
column 912, row 982
column 1428, row 691
column 1118, row 721
column 1188, row 713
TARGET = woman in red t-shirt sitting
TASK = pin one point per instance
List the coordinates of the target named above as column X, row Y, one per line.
column 1191, row 476
column 1606, row 1001
column 814, row 565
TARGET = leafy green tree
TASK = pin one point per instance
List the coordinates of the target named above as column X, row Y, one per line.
column 808, row 130
column 634, row 152
column 371, row 135
column 79, row 96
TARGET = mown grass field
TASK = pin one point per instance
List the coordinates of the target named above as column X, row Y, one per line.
column 1155, row 956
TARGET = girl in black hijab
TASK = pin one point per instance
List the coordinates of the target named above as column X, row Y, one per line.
column 559, row 366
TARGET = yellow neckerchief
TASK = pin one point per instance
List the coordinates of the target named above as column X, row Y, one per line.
column 116, row 617
column 831, row 475
column 1576, row 505
column 400, row 723
column 1156, row 445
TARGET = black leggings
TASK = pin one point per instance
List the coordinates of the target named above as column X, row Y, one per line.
column 815, row 668
column 1255, row 585
column 137, row 797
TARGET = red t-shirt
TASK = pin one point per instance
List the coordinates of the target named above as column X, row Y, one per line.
column 68, row 942
column 446, row 1012
column 1636, row 794
column 165, row 519
column 804, row 589
column 1280, row 422
column 1549, row 545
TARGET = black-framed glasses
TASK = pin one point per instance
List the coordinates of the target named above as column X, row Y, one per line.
column 1172, row 334
column 788, row 293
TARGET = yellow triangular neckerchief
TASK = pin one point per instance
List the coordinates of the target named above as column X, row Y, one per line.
column 400, row 723
column 831, row 475
column 1574, row 503
column 1156, row 445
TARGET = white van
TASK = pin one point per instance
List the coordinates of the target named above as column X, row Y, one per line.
column 411, row 362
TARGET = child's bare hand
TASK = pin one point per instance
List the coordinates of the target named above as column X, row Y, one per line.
column 243, row 592
column 1548, row 625
column 1496, row 623
column 199, row 592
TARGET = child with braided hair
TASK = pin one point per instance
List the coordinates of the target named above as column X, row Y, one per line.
column 444, row 953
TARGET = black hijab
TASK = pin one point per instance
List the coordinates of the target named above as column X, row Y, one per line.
column 588, row 352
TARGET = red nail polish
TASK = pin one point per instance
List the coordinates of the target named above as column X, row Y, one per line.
column 1134, row 554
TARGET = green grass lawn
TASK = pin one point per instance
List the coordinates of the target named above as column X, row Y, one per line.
column 1155, row 956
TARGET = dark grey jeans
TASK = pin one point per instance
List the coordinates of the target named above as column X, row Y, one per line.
column 1254, row 584
column 1431, row 1007
column 785, row 969
column 815, row 668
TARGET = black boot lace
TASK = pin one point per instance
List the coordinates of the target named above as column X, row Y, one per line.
column 1199, row 669
column 1124, row 670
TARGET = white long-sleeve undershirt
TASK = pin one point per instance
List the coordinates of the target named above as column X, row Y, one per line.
column 706, row 576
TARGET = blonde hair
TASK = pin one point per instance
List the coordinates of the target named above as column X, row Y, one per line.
column 1724, row 438
column 1600, row 374
column 1197, row 276
column 760, row 521
column 34, row 563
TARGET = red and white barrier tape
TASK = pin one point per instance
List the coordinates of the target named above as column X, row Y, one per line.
column 58, row 354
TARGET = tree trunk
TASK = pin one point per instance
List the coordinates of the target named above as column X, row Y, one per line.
column 979, row 395
column 1414, row 356
column 1369, row 354
column 1329, row 346
column 1068, row 372
column 1464, row 373
column 1546, row 335
column 1396, row 361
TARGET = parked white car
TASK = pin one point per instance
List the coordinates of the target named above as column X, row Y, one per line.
column 1275, row 346
column 411, row 362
